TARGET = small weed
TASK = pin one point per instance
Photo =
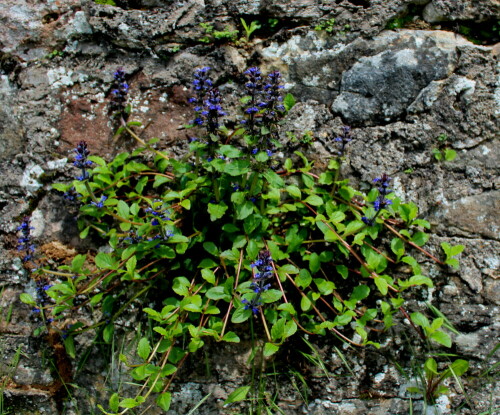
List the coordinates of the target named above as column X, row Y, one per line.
column 211, row 35
column 327, row 25
column 249, row 29
column 55, row 54
column 431, row 380
column 443, row 152
column 105, row 2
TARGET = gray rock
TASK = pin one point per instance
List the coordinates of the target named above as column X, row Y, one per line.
column 475, row 214
column 442, row 10
column 381, row 87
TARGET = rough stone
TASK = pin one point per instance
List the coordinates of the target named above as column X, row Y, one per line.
column 475, row 214
column 477, row 10
column 401, row 90
column 382, row 86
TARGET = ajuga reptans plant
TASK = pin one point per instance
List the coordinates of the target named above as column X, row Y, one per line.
column 231, row 235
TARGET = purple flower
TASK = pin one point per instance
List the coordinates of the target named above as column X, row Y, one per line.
column 381, row 201
column 367, row 221
column 81, row 162
column 119, row 93
column 25, row 242
column 159, row 213
column 263, row 271
column 343, row 139
column 253, row 305
column 100, row 203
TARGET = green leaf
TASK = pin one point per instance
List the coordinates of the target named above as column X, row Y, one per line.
column 289, row 101
column 231, row 337
column 114, row 402
column 105, row 261
column 347, row 193
column 211, row 248
column 344, row 319
column 290, row 329
column 163, row 400
column 441, row 338
column 85, row 232
column 77, row 263
column 314, row 200
column 420, row 320
column 305, row 303
column 336, row 216
column 449, row 154
column 216, row 211
column 342, row 270
column 452, row 250
column 143, row 348
column 453, row 263
column 271, row 296
column 353, row 227
column 244, row 210
column 207, row 263
column 289, row 269
column 270, row 349
column 288, row 308
column 314, row 263
column 230, row 151
column 159, row 180
column 240, row 315
column 27, row 299
column 304, row 279
column 122, row 209
column 360, row 292
column 397, row 246
column 421, row 222
column 129, row 403
column 69, row 345
column 413, row 263
column 180, row 286
column 278, row 329
column 186, row 204
column 418, row 280
column 294, row 191
column 218, row 293
column 457, row 368
column 408, row 211
column 420, row 238
column 237, row 395
column 192, row 303
column 324, row 287
column 274, row 179
column 208, row 275
column 237, row 168
column 161, row 331
column 430, row 367
column 107, row 333
column 131, row 264
column 382, row 285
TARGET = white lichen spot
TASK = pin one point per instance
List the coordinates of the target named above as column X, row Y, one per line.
column 124, row 28
column 38, row 222
column 29, row 180
column 143, row 109
column 311, row 80
column 59, row 77
column 406, row 58
column 57, row 164
column 485, row 150
column 379, row 377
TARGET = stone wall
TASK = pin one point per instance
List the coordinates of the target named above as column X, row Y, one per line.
column 399, row 89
